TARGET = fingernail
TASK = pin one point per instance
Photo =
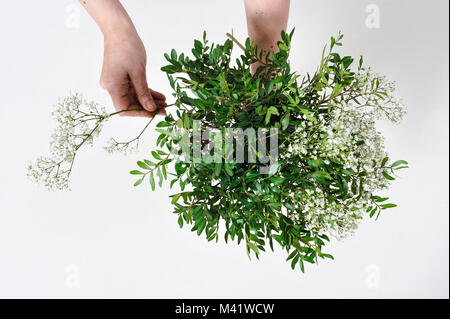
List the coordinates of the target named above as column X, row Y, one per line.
column 149, row 105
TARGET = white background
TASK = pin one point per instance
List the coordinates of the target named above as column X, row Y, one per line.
column 107, row 239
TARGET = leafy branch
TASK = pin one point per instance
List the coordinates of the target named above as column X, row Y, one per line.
column 78, row 123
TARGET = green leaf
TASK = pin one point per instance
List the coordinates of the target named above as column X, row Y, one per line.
column 175, row 198
column 186, row 121
column 283, row 47
column 302, row 265
column 378, row 199
column 327, row 256
column 160, row 176
column 253, row 247
column 156, row 155
column 386, row 206
column 173, row 55
column 294, row 261
column 218, row 169
column 285, row 121
column 318, row 175
column 198, row 45
column 163, row 124
column 138, row 182
column 291, row 255
column 152, row 181
column 347, row 172
column 387, row 176
column 277, row 180
column 337, row 90
column 276, row 206
column 165, row 132
column 308, row 115
column 149, row 163
column 228, row 169
column 271, row 111
column 143, row 165
column 398, row 163
column 201, row 227
column 164, row 171
column 135, row 172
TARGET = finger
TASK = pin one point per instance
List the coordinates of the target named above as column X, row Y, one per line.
column 161, row 112
column 123, row 102
column 142, row 91
column 160, row 99
column 134, row 101
column 119, row 96
column 138, row 113
column 161, row 103
column 157, row 95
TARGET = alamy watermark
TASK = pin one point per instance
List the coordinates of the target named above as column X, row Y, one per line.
column 373, row 16
column 73, row 16
column 373, row 276
column 73, row 276
column 228, row 145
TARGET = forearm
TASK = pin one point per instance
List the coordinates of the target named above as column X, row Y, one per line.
column 110, row 16
column 265, row 20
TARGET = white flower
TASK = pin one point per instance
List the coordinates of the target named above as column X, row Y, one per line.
column 349, row 135
column 78, row 122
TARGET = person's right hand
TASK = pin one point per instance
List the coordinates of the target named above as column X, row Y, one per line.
column 124, row 76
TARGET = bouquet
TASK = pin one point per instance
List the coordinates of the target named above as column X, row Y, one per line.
column 270, row 157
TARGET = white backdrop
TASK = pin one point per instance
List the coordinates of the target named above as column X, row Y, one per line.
column 107, row 239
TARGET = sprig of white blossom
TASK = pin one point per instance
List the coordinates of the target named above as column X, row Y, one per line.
column 78, row 122
column 349, row 134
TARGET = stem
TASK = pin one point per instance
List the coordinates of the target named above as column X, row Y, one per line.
column 137, row 137
column 156, row 166
column 122, row 111
column 86, row 137
column 143, row 130
column 235, row 41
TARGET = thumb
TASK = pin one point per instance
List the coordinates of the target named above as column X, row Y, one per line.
column 143, row 93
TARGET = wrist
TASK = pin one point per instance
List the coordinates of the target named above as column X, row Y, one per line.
column 118, row 27
column 119, row 32
column 111, row 17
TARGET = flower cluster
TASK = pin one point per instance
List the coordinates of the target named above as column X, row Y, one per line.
column 78, row 122
column 125, row 148
column 378, row 96
column 348, row 134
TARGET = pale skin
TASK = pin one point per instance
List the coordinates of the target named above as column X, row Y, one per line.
column 125, row 59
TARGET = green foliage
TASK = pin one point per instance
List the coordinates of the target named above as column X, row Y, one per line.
column 259, row 209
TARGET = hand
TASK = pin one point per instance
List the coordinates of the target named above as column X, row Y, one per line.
column 124, row 76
